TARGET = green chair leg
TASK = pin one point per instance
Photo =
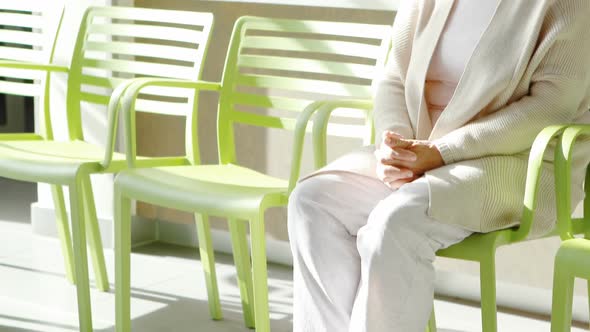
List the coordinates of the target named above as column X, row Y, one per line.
column 63, row 231
column 242, row 261
column 588, row 290
column 259, row 274
column 122, row 263
column 208, row 261
column 488, row 294
column 94, row 239
column 563, row 290
column 80, row 257
column 431, row 322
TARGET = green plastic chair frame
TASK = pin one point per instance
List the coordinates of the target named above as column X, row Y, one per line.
column 479, row 247
column 262, row 56
column 31, row 55
column 482, row 247
column 26, row 56
column 573, row 257
column 115, row 46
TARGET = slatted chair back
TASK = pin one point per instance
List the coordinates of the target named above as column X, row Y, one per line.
column 118, row 43
column 277, row 67
column 28, row 32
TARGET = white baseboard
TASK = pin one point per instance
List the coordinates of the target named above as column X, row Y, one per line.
column 511, row 296
column 448, row 283
column 43, row 223
column 186, row 235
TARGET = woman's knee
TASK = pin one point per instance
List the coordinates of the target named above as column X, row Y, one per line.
column 305, row 201
column 395, row 214
column 305, row 192
column 309, row 200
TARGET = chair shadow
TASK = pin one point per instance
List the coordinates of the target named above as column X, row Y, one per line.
column 5, row 328
column 188, row 314
column 174, row 313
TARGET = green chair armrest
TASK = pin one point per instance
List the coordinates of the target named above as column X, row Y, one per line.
column 33, row 66
column 140, row 83
column 113, row 119
column 324, row 109
column 298, row 140
column 20, row 137
column 563, row 179
column 129, row 92
column 47, row 131
column 322, row 119
column 535, row 167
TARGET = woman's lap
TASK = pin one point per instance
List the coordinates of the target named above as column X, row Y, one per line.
column 358, row 245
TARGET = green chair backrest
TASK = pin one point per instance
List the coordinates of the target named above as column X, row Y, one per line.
column 28, row 33
column 118, row 43
column 276, row 67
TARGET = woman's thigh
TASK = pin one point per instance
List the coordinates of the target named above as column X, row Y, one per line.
column 347, row 197
column 403, row 217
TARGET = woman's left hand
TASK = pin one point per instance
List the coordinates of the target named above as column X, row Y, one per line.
column 428, row 156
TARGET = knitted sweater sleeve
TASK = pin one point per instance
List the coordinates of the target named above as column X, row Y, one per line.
column 391, row 111
column 558, row 87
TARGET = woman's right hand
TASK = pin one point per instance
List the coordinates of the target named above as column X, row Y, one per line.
column 393, row 177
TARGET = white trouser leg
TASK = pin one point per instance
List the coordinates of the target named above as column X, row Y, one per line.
column 393, row 253
column 397, row 247
column 325, row 213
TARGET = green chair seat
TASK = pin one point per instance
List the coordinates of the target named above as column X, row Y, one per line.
column 226, row 190
column 470, row 248
column 58, row 162
column 78, row 151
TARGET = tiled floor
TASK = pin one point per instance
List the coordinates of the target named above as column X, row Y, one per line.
column 168, row 291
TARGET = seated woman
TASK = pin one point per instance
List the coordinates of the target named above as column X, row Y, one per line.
column 468, row 86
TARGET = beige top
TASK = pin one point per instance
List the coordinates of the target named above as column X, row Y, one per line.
column 454, row 48
column 530, row 69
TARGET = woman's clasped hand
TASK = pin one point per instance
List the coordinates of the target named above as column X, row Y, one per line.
column 401, row 160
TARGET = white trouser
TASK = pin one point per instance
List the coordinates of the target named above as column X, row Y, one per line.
column 363, row 254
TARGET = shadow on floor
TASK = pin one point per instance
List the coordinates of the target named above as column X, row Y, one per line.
column 174, row 313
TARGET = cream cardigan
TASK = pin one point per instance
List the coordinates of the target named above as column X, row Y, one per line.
column 529, row 70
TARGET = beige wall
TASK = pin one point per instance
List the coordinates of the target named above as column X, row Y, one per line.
column 527, row 264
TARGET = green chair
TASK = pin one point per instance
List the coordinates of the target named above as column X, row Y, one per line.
column 28, row 37
column 479, row 247
column 275, row 72
column 573, row 257
column 115, row 46
column 482, row 247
